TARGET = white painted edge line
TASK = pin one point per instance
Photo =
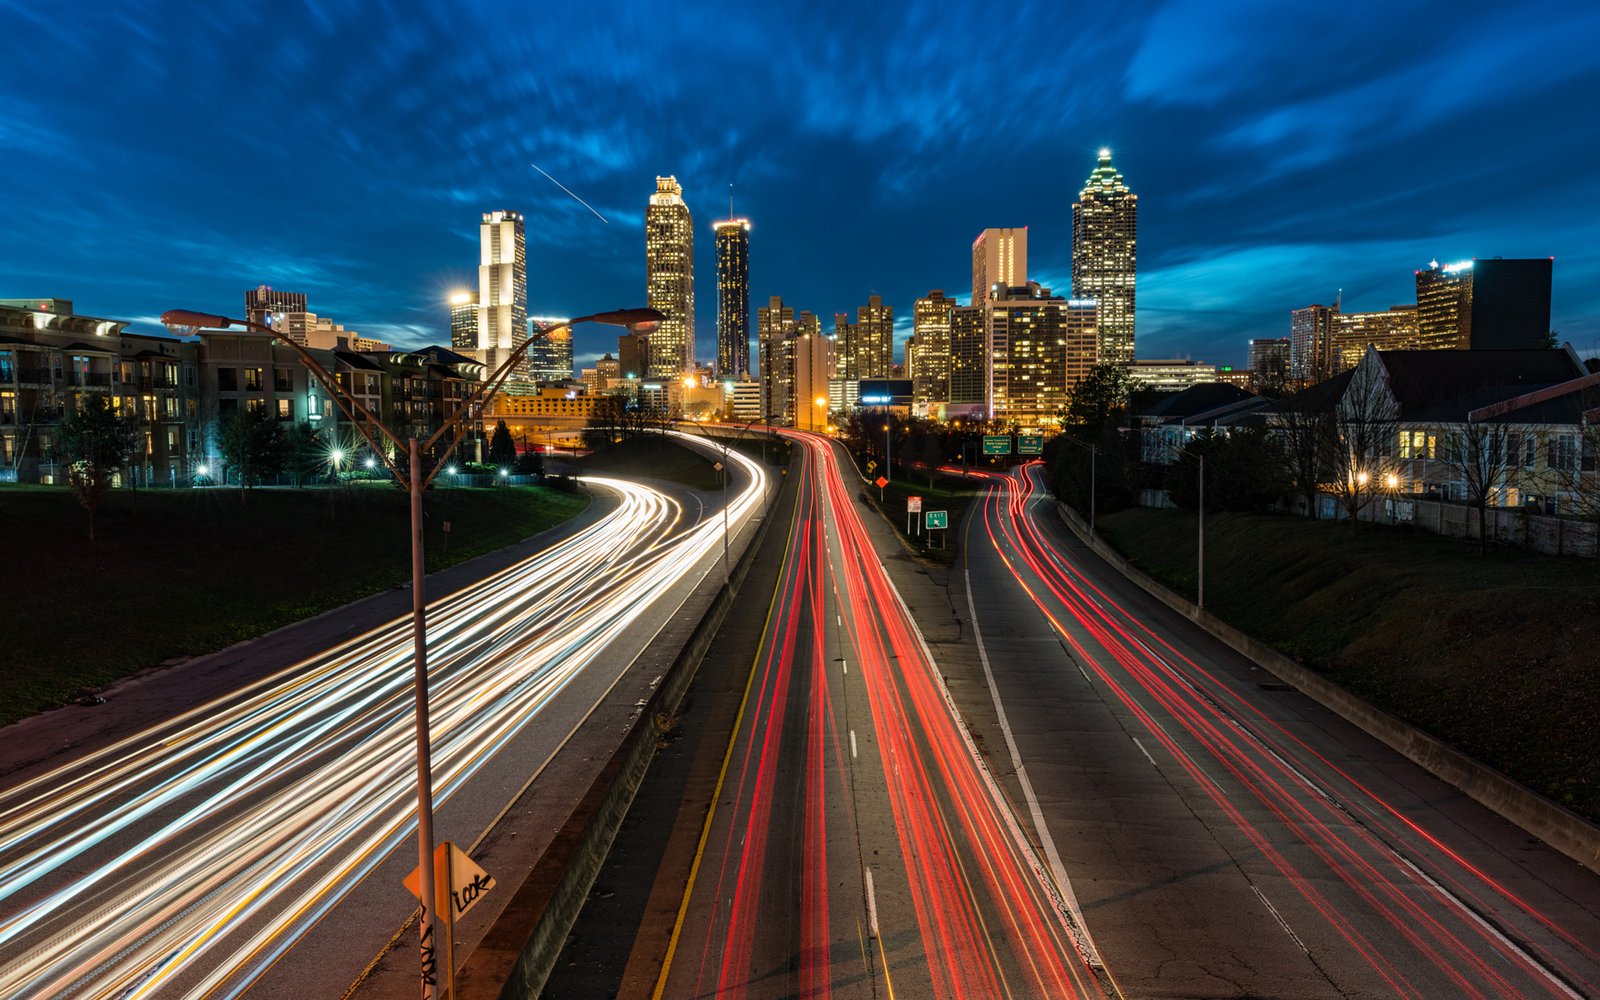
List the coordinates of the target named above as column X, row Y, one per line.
column 1279, row 918
column 853, row 744
column 872, row 907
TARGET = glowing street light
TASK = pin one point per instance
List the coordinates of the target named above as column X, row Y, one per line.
column 415, row 479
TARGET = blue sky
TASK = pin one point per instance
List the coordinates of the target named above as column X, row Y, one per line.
column 175, row 154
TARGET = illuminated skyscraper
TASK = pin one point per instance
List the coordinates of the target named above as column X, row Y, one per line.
column 1311, row 343
column 463, row 321
column 775, row 330
column 999, row 257
column 969, row 357
column 813, row 367
column 1105, row 255
column 1040, row 346
column 865, row 348
column 669, row 279
column 733, row 297
column 263, row 302
column 1493, row 304
column 502, row 291
column 550, row 358
column 928, row 363
column 1394, row 329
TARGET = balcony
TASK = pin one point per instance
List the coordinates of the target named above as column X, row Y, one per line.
column 90, row 380
column 34, row 376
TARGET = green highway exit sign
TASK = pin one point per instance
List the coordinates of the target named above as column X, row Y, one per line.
column 997, row 444
column 936, row 519
column 1030, row 444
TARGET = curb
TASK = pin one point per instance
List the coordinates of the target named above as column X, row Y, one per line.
column 1557, row 826
column 566, row 872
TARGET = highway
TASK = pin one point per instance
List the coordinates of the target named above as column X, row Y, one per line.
column 1226, row 836
column 189, row 859
column 857, row 847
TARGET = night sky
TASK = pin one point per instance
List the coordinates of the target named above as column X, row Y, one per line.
column 162, row 155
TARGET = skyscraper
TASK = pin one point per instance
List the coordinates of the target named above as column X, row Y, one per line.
column 1492, row 304
column 775, row 327
column 1394, row 329
column 969, row 358
column 733, row 297
column 1311, row 343
column 550, row 358
column 999, row 257
column 1105, row 256
column 669, row 279
column 813, row 367
column 865, row 348
column 502, row 291
column 1040, row 346
column 929, row 370
column 263, row 302
column 463, row 321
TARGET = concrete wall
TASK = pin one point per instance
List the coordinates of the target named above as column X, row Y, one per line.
column 1562, row 829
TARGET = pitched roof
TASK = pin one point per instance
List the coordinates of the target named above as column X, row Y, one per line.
column 1195, row 401
column 1446, row 385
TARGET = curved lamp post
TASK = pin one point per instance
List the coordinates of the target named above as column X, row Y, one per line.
column 413, row 477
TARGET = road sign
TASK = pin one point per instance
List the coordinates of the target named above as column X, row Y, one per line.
column 882, row 482
column 458, row 884
column 1030, row 444
column 937, row 519
column 914, row 504
column 997, row 444
column 872, row 466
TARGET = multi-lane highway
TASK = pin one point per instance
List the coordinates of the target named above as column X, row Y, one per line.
column 856, row 847
column 187, row 860
column 1227, row 836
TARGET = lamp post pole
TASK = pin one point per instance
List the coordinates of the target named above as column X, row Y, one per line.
column 1200, row 574
column 412, row 476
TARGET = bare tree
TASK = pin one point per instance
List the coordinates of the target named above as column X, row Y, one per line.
column 1366, row 420
column 1574, row 461
column 1476, row 455
column 1304, row 437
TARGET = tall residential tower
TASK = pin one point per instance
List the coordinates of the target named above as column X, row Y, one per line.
column 669, row 279
column 733, row 297
column 1104, row 256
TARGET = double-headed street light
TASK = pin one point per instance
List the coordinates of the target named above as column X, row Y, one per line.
column 415, row 480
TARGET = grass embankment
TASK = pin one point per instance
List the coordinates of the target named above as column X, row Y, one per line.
column 950, row 494
column 185, row 572
column 1496, row 654
column 654, row 456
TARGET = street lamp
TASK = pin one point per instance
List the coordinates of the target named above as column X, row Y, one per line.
column 1200, row 583
column 415, row 480
column 722, row 466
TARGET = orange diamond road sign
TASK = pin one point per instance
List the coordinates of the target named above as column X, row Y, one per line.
column 882, row 482
column 458, row 880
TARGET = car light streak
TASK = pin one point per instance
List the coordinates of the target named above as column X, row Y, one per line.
column 1347, row 829
column 187, row 858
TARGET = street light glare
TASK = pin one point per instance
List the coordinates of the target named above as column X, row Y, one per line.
column 338, row 456
column 371, row 461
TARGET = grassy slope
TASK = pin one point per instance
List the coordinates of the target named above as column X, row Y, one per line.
column 1496, row 654
column 190, row 571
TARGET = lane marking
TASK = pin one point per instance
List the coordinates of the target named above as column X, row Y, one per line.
column 1279, row 918
column 872, row 912
column 852, row 744
column 1057, row 869
column 1146, row 753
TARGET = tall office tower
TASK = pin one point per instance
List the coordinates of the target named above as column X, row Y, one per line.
column 865, row 348
column 930, row 325
column 733, row 297
column 999, row 257
column 1040, row 346
column 1492, row 304
column 969, row 357
column 263, row 302
column 1311, row 343
column 633, row 351
column 463, row 321
column 1268, row 361
column 669, row 279
column 813, row 367
column 502, row 291
column 1105, row 226
column 550, row 358
column 1394, row 329
column 775, row 331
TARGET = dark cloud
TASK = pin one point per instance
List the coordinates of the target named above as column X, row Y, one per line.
column 164, row 154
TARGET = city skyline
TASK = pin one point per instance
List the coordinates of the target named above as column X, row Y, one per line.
column 1258, row 199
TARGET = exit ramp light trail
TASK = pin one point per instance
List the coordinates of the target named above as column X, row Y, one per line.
column 1393, row 893
column 183, row 861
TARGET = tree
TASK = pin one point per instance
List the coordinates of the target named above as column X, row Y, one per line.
column 1101, row 399
column 1476, row 455
column 94, row 440
column 1366, row 422
column 253, row 443
column 1305, row 439
column 1245, row 471
column 502, row 449
column 303, row 453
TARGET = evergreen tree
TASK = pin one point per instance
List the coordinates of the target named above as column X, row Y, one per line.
column 94, row 440
column 502, row 449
